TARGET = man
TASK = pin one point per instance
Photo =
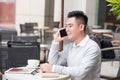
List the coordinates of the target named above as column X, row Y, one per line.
column 81, row 59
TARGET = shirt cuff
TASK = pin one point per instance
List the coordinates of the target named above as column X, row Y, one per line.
column 53, row 67
column 55, row 42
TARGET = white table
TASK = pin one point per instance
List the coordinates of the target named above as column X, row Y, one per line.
column 101, row 31
column 17, row 76
column 44, row 48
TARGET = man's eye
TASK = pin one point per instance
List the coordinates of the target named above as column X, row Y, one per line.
column 70, row 26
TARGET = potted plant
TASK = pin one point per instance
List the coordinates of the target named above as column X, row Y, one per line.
column 115, row 7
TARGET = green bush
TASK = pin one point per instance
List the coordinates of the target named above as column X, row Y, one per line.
column 115, row 7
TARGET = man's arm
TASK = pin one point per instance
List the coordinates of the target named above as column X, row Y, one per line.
column 53, row 54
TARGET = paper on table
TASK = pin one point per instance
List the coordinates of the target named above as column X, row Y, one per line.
column 49, row 75
column 20, row 70
column 16, row 69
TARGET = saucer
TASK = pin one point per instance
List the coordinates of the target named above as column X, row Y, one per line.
column 32, row 67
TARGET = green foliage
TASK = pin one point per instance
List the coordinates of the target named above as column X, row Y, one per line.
column 115, row 7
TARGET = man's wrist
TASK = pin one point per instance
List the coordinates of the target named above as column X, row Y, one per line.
column 54, row 42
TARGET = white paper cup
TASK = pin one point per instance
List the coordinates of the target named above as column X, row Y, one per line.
column 33, row 63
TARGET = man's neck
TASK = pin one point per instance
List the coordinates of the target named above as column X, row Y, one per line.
column 79, row 39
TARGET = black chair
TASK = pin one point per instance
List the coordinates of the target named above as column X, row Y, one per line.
column 110, row 26
column 5, row 35
column 56, row 24
column 118, row 29
column 109, row 70
column 28, row 28
column 31, row 24
column 17, row 54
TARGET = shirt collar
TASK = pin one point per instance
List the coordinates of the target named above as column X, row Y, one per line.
column 83, row 42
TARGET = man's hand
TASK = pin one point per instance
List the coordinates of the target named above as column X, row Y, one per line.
column 46, row 67
column 58, row 38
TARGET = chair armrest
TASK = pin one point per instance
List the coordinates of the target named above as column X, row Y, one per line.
column 108, row 35
column 110, row 48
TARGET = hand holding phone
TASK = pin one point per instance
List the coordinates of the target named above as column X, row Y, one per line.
column 63, row 32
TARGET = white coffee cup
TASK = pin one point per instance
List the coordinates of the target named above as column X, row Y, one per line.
column 33, row 63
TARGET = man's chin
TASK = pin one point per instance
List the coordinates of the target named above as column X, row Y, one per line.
column 69, row 38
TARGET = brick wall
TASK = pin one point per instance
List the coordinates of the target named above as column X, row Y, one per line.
column 7, row 12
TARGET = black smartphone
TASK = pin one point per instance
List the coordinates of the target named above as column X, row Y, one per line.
column 63, row 32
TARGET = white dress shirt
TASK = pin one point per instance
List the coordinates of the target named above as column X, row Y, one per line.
column 81, row 62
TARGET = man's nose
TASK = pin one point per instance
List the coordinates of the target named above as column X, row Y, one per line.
column 66, row 29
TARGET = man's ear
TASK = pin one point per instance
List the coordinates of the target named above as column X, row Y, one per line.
column 81, row 26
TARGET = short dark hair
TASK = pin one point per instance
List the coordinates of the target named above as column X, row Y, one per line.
column 79, row 15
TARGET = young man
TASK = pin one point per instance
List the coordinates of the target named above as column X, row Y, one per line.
column 81, row 59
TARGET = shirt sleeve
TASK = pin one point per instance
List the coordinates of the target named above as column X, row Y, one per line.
column 56, row 57
column 53, row 67
column 53, row 54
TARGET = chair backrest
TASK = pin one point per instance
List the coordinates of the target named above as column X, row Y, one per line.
column 20, row 52
column 27, row 28
column 24, row 38
column 17, row 54
column 116, row 36
column 56, row 24
column 31, row 24
column 118, row 29
column 113, row 28
column 5, row 34
column 22, row 28
column 107, row 54
column 110, row 26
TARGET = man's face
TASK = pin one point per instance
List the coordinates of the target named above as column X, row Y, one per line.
column 72, row 28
